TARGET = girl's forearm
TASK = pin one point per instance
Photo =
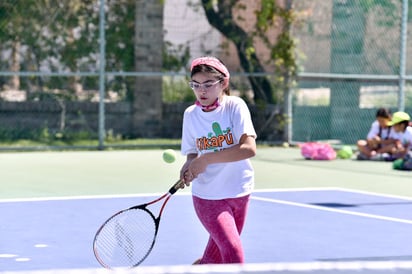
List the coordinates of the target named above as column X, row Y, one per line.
column 244, row 150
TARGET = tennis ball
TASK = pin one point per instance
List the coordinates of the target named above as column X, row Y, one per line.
column 285, row 144
column 169, row 156
column 345, row 152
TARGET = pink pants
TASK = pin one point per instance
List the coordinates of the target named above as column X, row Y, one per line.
column 224, row 220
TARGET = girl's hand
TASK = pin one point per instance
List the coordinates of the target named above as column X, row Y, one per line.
column 197, row 166
column 185, row 174
column 187, row 178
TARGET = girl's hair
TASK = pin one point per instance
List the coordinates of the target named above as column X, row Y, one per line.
column 214, row 72
column 405, row 124
column 384, row 113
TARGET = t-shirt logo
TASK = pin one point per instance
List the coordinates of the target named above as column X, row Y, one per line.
column 216, row 139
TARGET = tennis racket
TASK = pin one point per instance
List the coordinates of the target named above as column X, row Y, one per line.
column 128, row 237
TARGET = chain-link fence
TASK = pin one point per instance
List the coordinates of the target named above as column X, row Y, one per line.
column 59, row 83
column 356, row 61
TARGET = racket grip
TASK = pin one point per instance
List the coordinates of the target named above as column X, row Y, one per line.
column 175, row 187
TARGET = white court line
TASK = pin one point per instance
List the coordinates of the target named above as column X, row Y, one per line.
column 372, row 216
column 85, row 197
column 342, row 189
column 298, row 189
column 64, row 198
column 136, row 195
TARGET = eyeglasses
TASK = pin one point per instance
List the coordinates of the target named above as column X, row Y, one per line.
column 204, row 86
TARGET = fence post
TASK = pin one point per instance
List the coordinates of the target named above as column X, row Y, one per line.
column 102, row 74
column 402, row 57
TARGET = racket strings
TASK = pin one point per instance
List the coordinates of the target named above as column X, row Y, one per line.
column 126, row 239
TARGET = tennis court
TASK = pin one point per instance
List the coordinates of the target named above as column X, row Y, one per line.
column 302, row 211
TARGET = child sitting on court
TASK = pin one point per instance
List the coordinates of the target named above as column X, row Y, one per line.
column 379, row 136
column 401, row 125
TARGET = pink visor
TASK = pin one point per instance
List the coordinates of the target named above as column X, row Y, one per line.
column 211, row 61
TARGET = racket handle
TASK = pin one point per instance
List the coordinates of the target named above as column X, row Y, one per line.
column 175, row 187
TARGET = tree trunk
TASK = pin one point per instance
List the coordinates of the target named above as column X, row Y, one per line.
column 14, row 81
column 224, row 23
column 147, row 99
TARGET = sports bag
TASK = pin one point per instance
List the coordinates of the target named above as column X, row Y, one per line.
column 317, row 151
column 404, row 163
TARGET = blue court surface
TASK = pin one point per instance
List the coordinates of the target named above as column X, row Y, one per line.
column 296, row 225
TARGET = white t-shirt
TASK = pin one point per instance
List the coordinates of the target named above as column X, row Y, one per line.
column 385, row 133
column 406, row 138
column 207, row 132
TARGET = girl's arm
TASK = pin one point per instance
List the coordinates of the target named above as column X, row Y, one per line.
column 244, row 150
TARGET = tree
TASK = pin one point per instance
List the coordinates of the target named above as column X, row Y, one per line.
column 13, row 27
column 45, row 33
column 64, row 36
column 220, row 15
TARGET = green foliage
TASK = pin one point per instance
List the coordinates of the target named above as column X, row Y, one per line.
column 282, row 51
column 176, row 89
column 119, row 35
column 69, row 41
column 43, row 135
column 273, row 21
column 271, row 16
column 266, row 15
column 64, row 36
column 175, row 57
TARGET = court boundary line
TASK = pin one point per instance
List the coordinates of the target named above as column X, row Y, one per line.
column 137, row 195
column 343, row 189
column 86, row 197
column 341, row 211
column 133, row 195
column 293, row 189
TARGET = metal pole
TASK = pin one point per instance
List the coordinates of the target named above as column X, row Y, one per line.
column 402, row 57
column 102, row 68
column 288, row 97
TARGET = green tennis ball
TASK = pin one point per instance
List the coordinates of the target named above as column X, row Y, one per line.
column 169, row 156
column 345, row 152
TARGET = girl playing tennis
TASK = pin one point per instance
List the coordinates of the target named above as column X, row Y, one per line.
column 218, row 138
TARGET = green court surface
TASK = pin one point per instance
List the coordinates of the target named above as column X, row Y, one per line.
column 52, row 174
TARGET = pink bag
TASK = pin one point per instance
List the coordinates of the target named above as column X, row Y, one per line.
column 317, row 151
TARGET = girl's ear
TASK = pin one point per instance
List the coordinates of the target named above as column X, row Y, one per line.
column 225, row 83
